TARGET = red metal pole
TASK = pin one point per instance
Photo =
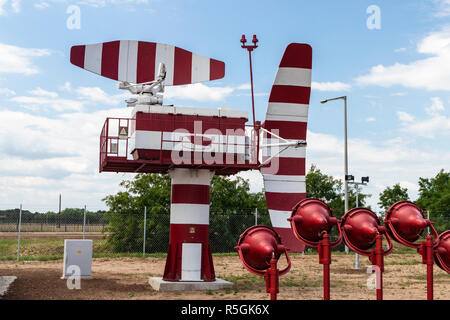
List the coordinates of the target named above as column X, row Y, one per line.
column 427, row 253
column 379, row 258
column 271, row 278
column 325, row 259
column 430, row 281
column 326, row 282
column 429, row 257
column 251, row 85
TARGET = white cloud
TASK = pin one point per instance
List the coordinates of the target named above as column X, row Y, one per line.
column 40, row 99
column 103, row 3
column 36, row 103
column 16, row 6
column 398, row 94
column 442, row 8
column 387, row 162
column 66, row 87
column 41, row 5
column 436, row 106
column 430, row 73
column 244, row 86
column 97, row 95
column 404, row 116
column 5, row 5
column 43, row 157
column 429, row 128
column 198, row 92
column 2, row 7
column 92, row 3
column 7, row 92
column 43, row 93
column 371, row 119
column 436, row 124
column 330, row 86
column 19, row 60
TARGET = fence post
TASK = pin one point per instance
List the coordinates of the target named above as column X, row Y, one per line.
column 145, row 229
column 18, row 235
column 84, row 224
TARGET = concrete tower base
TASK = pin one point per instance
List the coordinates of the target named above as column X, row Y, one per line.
column 158, row 284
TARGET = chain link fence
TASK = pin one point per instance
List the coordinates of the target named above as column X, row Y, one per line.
column 43, row 223
column 42, row 235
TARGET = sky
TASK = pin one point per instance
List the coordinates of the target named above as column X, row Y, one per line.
column 390, row 58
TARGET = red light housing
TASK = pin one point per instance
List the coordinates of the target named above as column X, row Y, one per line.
column 442, row 251
column 310, row 219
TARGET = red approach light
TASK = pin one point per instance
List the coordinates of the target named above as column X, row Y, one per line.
column 310, row 219
column 442, row 251
column 256, row 246
column 406, row 222
column 259, row 249
column 360, row 229
column 311, row 222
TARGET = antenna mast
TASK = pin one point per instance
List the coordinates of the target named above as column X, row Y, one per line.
column 250, row 48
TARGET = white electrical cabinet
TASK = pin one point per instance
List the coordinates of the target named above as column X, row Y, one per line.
column 77, row 258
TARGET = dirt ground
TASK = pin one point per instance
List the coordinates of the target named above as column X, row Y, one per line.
column 127, row 278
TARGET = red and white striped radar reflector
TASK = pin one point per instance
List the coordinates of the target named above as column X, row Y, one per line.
column 138, row 62
column 287, row 117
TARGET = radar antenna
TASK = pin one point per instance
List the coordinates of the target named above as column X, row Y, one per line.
column 150, row 92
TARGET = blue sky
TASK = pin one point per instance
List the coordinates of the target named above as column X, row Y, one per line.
column 397, row 79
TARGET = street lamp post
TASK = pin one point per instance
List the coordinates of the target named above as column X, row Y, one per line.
column 345, row 153
column 364, row 181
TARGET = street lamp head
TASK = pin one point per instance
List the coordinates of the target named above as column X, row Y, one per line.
column 365, row 179
column 323, row 101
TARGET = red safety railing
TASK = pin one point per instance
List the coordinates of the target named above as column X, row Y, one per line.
column 117, row 132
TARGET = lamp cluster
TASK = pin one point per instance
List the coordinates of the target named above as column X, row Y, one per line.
column 360, row 229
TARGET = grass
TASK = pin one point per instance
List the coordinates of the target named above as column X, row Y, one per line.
column 402, row 263
column 301, row 283
column 424, row 276
column 245, row 281
column 46, row 249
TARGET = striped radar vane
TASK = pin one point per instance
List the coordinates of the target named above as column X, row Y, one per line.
column 138, row 61
column 286, row 117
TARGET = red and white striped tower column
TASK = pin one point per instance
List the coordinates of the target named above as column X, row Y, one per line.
column 189, row 257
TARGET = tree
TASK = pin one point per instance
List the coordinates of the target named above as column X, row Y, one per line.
column 232, row 208
column 434, row 196
column 126, row 210
column 389, row 196
column 233, row 196
column 331, row 191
